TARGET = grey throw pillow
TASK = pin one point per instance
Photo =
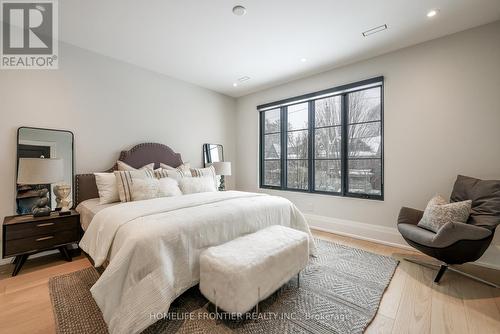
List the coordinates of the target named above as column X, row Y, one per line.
column 439, row 212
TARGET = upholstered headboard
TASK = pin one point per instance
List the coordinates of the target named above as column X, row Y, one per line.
column 137, row 156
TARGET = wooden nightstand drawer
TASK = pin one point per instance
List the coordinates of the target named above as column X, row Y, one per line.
column 40, row 242
column 40, row 227
column 24, row 235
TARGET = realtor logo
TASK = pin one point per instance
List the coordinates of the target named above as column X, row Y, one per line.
column 29, row 34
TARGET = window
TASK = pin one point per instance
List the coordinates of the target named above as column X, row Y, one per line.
column 327, row 142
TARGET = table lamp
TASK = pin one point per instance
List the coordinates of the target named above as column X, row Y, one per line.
column 222, row 168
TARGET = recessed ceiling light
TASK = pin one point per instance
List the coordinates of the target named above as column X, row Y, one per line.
column 239, row 10
column 303, row 60
column 432, row 13
column 374, row 30
column 235, row 84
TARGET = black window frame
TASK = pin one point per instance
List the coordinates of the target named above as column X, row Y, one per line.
column 342, row 91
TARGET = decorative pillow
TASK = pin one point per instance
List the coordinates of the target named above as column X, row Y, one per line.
column 148, row 188
column 125, row 180
column 184, row 167
column 168, row 187
column 176, row 174
column 191, row 185
column 143, row 189
column 439, row 212
column 124, row 167
column 106, row 187
column 208, row 172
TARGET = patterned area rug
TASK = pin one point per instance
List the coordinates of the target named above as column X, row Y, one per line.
column 339, row 292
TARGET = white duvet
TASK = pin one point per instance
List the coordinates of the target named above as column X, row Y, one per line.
column 153, row 247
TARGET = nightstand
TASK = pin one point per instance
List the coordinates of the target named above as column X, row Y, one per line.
column 26, row 235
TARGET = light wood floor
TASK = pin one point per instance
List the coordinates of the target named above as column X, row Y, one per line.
column 411, row 304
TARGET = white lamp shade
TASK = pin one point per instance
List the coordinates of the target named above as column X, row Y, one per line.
column 222, row 167
column 40, row 171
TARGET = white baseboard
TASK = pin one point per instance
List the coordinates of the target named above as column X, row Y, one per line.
column 383, row 235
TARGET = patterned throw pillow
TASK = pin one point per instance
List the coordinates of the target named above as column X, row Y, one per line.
column 439, row 212
column 125, row 181
column 184, row 167
column 208, row 172
column 176, row 173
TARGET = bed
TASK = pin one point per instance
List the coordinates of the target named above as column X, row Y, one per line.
column 152, row 247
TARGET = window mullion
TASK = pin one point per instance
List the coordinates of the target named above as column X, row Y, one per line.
column 284, row 146
column 310, row 163
column 344, row 142
column 261, row 147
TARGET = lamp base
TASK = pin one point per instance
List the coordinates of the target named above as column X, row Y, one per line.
column 222, row 186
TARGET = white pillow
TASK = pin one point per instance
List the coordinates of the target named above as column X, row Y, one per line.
column 143, row 189
column 107, row 188
column 148, row 188
column 205, row 172
column 124, row 167
column 168, row 187
column 191, row 185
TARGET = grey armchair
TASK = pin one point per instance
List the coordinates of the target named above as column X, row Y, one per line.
column 457, row 243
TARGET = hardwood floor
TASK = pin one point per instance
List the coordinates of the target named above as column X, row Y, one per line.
column 411, row 304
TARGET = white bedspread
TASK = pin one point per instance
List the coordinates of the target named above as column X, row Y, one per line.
column 153, row 247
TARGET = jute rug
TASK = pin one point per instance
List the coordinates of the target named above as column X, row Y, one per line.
column 339, row 292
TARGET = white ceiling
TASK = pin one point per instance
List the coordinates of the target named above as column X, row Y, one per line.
column 202, row 42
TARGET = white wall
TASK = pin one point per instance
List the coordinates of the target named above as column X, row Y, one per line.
column 110, row 106
column 442, row 118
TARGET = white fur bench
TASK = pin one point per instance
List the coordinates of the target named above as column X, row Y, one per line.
column 237, row 275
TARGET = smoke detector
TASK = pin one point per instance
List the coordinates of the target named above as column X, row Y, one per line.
column 239, row 10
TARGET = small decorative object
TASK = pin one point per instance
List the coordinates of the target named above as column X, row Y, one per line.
column 34, row 171
column 62, row 192
column 41, row 207
column 222, row 168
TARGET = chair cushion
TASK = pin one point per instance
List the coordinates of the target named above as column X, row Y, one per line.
column 417, row 234
column 446, row 236
column 485, row 196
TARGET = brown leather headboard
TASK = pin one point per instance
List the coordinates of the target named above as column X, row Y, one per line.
column 137, row 156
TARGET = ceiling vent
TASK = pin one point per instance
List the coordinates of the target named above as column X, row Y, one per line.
column 243, row 79
column 375, row 30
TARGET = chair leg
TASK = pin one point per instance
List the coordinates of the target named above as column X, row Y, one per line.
column 440, row 273
column 475, row 278
column 444, row 267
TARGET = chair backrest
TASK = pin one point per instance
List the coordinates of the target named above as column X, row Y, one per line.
column 485, row 196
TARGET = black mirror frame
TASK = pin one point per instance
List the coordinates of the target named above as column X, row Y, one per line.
column 72, row 157
column 206, row 158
